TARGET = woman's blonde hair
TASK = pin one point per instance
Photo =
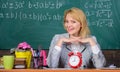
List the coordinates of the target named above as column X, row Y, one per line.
column 78, row 15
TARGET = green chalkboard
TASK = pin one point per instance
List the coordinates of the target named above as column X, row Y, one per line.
column 37, row 21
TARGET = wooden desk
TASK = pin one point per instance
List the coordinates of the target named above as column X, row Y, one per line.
column 60, row 70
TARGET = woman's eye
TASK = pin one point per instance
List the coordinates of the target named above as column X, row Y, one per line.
column 66, row 22
column 73, row 21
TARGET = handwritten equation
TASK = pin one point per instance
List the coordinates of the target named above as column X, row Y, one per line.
column 98, row 4
column 32, row 4
column 30, row 16
column 98, row 12
column 19, row 10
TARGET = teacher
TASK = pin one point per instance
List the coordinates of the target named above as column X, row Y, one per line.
column 77, row 48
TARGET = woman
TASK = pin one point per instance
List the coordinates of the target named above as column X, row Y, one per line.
column 78, row 39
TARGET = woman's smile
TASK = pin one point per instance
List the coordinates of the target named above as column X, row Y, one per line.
column 72, row 26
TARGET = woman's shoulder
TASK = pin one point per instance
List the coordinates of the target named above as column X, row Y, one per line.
column 93, row 37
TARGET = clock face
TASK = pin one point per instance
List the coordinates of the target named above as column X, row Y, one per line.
column 74, row 60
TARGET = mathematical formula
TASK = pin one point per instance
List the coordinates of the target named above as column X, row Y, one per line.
column 98, row 9
column 30, row 16
column 31, row 4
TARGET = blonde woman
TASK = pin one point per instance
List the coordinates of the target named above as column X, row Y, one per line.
column 77, row 39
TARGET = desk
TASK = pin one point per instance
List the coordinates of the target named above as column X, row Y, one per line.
column 60, row 70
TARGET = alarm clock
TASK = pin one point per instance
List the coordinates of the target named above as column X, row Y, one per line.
column 75, row 59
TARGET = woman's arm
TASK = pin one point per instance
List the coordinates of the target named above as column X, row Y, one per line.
column 98, row 58
column 97, row 55
column 54, row 53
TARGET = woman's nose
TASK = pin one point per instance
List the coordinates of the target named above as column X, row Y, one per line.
column 69, row 24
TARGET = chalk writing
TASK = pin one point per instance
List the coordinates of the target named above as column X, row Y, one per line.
column 98, row 4
column 46, row 4
column 42, row 10
column 35, row 4
column 30, row 16
column 101, row 23
column 12, row 5
column 101, row 11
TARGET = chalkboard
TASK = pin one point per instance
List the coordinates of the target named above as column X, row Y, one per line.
column 37, row 21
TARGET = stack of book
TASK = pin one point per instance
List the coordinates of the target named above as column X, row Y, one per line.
column 20, row 63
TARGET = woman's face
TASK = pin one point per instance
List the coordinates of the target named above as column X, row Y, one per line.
column 72, row 26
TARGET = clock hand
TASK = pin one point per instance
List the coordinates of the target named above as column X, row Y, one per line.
column 74, row 60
